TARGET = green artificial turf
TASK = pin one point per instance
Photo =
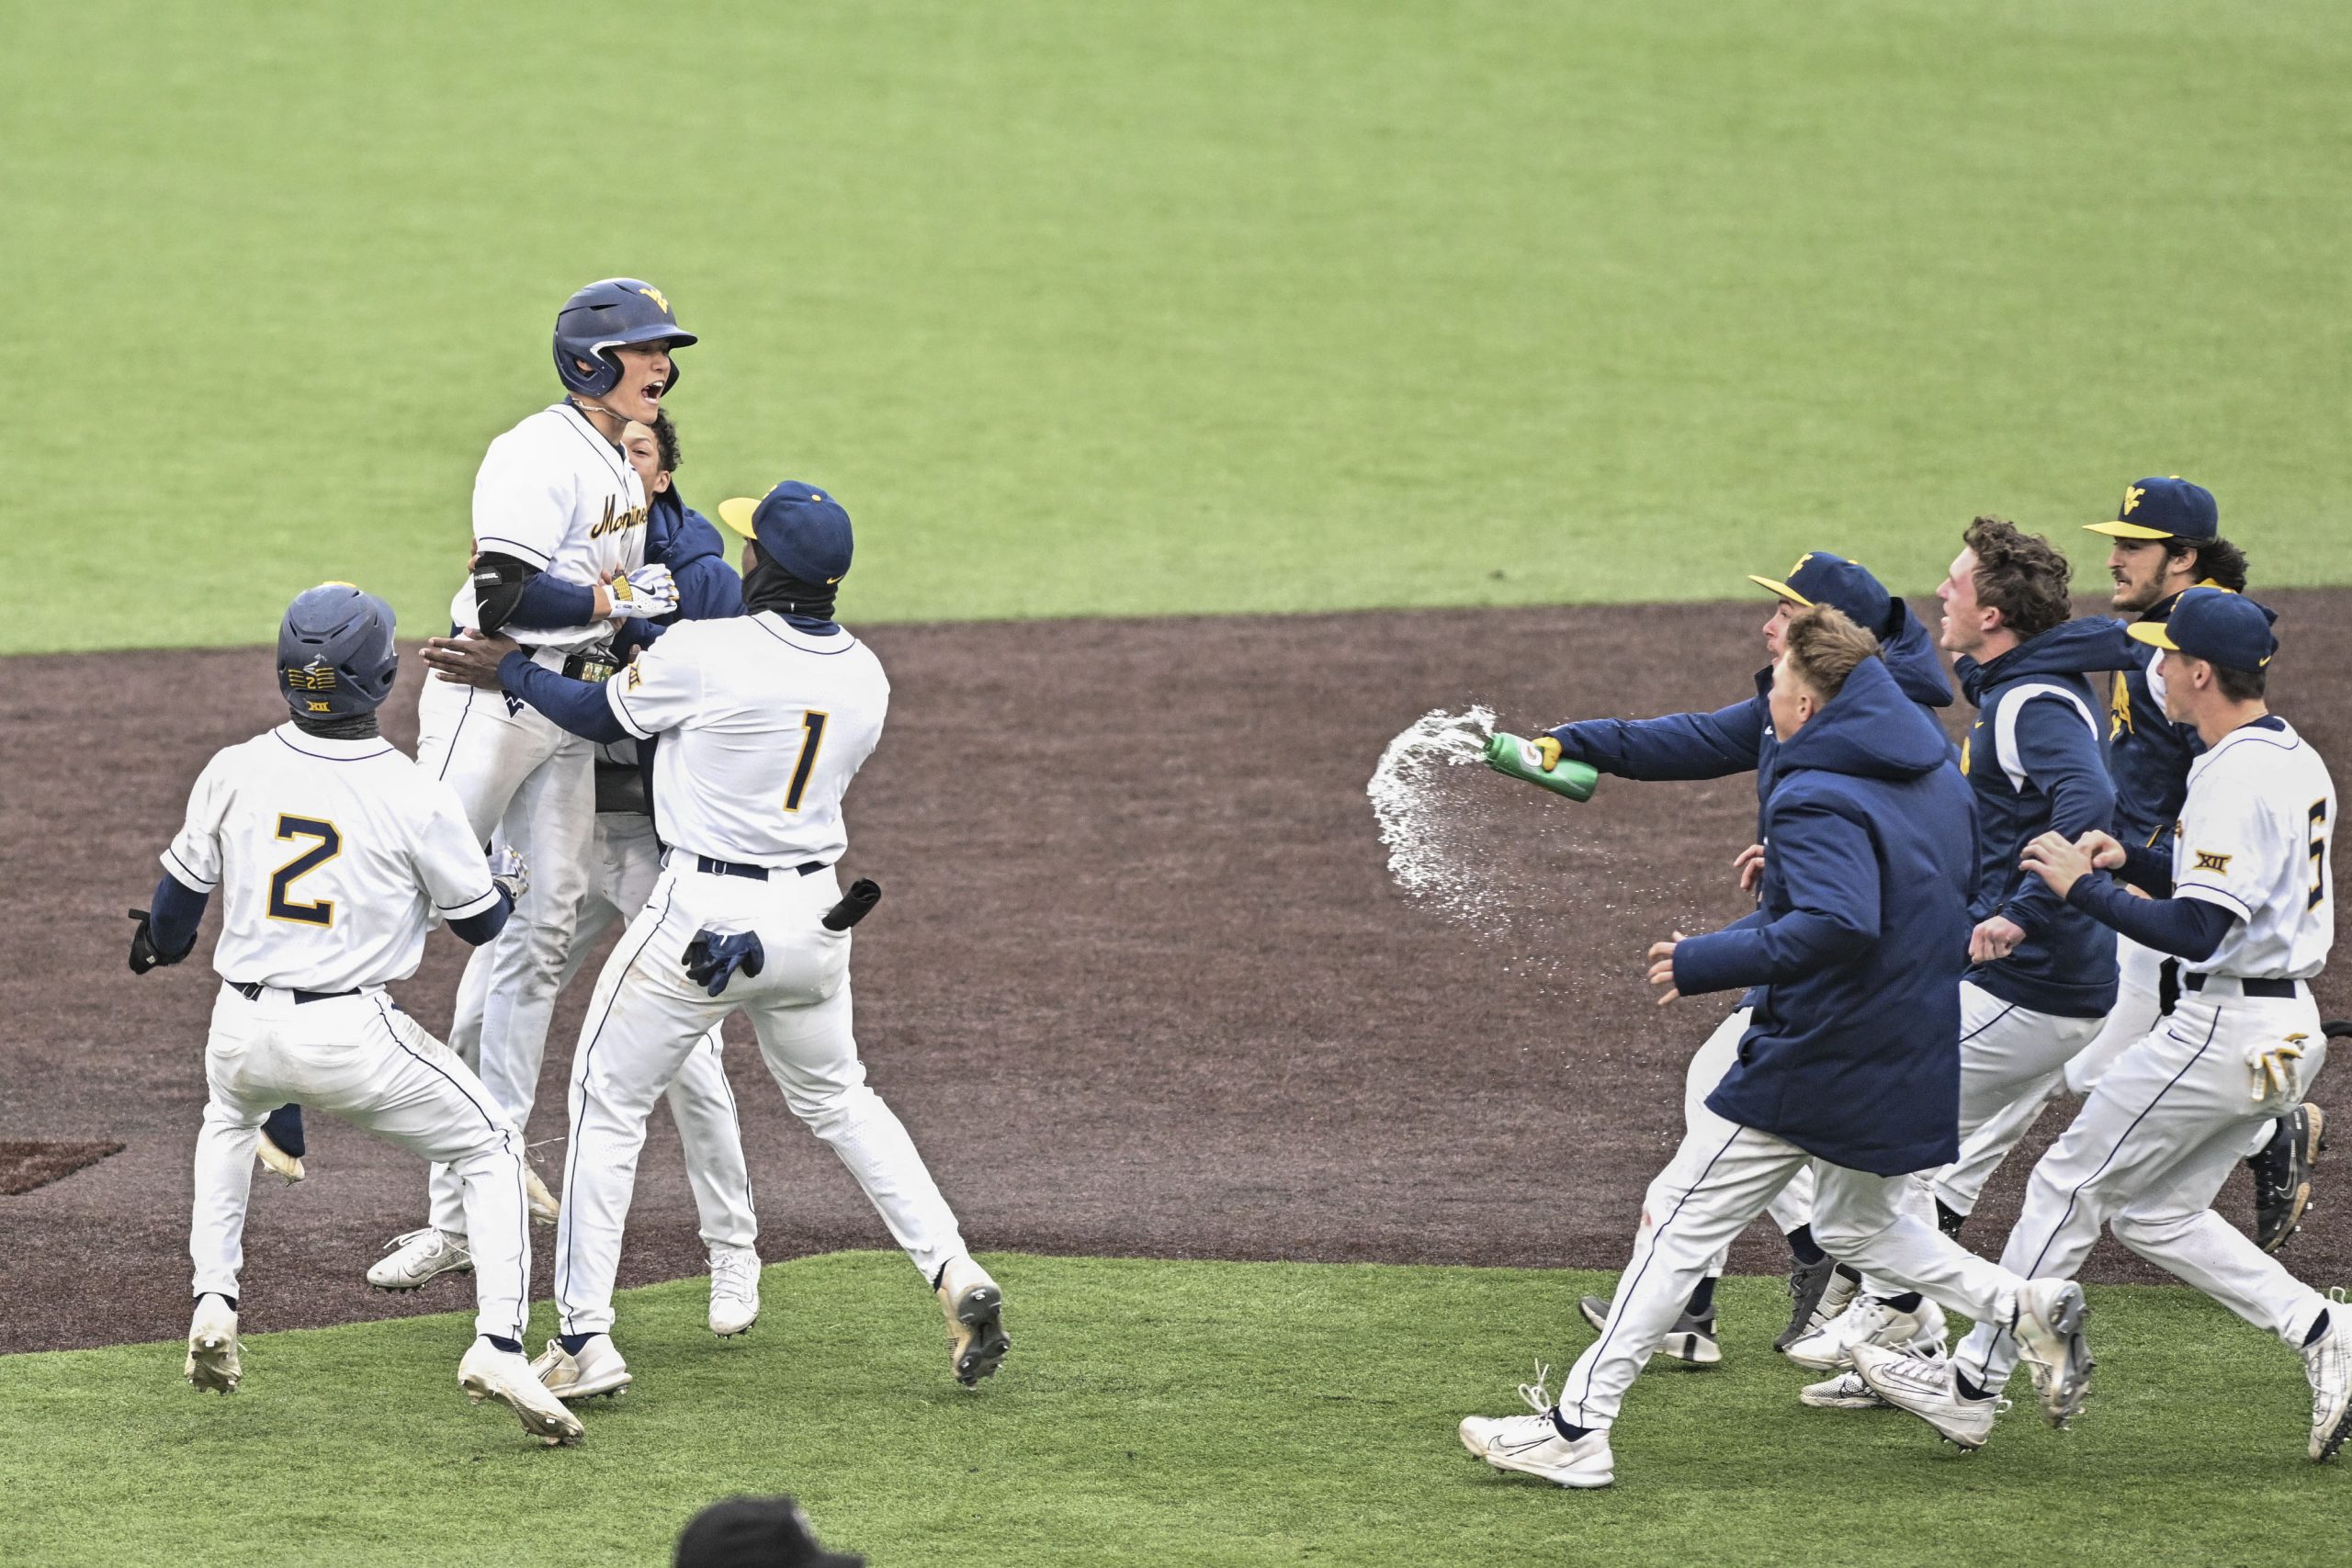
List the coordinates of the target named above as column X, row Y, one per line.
column 1152, row 1413
column 1212, row 307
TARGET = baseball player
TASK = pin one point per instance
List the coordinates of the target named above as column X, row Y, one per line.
column 559, row 526
column 1850, row 1065
column 2042, row 975
column 2242, row 896
column 335, row 855
column 1734, row 739
column 627, row 861
column 763, row 721
column 2165, row 539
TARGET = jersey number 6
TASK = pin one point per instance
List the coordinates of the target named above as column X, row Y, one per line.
column 2319, row 854
column 282, row 880
column 812, row 736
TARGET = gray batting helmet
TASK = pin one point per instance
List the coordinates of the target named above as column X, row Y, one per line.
column 335, row 658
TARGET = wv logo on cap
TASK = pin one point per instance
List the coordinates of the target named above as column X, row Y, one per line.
column 2131, row 494
column 656, row 296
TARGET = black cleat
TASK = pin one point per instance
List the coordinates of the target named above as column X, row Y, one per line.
column 2282, row 1176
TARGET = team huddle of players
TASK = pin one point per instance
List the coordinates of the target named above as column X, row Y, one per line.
column 2118, row 884
column 620, row 729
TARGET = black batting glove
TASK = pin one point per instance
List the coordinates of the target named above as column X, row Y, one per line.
column 144, row 954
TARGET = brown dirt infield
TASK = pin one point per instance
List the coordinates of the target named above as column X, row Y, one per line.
column 1140, row 984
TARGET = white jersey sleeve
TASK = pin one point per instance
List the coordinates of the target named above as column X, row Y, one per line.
column 659, row 691
column 449, row 865
column 522, row 503
column 194, row 855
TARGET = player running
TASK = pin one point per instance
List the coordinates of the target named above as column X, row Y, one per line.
column 2242, row 896
column 335, row 855
column 559, row 534
column 1850, row 1067
column 763, row 720
column 1736, row 739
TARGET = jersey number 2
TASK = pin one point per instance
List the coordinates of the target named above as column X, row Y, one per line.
column 282, row 880
column 2319, row 854
column 812, row 736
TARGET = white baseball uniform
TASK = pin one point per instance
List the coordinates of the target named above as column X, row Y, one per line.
column 763, row 727
column 334, row 858
column 2170, row 1119
column 556, row 495
column 702, row 1102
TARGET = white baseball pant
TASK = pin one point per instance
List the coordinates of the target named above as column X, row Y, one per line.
column 646, row 1017
column 1792, row 1206
column 366, row 1061
column 522, row 780
column 1959, row 1185
column 1722, row 1177
column 2147, row 1153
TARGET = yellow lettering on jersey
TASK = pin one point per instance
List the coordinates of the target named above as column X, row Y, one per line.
column 636, row 677
column 2131, row 494
column 2208, row 860
column 1963, row 754
column 614, row 521
column 2119, row 706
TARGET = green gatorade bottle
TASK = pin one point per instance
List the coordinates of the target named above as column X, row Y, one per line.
column 1520, row 759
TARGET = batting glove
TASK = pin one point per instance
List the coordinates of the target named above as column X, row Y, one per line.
column 647, row 591
column 511, row 872
column 712, row 959
column 2278, row 1071
column 144, row 953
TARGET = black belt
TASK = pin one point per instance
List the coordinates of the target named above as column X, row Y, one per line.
column 252, row 992
column 2275, row 990
column 756, row 873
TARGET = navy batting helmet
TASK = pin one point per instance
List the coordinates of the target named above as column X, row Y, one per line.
column 601, row 318
column 335, row 658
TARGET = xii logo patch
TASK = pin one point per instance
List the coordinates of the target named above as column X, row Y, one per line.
column 2208, row 860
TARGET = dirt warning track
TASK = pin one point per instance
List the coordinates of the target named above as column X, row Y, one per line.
column 1140, row 983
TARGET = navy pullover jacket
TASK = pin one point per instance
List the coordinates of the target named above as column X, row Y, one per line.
column 2147, row 754
column 2036, row 758
column 1735, row 739
column 1860, row 942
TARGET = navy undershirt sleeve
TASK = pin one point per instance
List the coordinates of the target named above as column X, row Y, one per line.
column 2148, row 870
column 2186, row 928
column 579, row 706
column 548, row 602
column 480, row 928
column 171, row 924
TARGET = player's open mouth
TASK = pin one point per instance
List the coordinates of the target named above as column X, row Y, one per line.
column 653, row 391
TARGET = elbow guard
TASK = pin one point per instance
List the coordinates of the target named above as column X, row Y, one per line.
column 499, row 582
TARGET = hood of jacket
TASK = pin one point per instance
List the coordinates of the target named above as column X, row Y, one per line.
column 675, row 534
column 2064, row 650
column 1873, row 729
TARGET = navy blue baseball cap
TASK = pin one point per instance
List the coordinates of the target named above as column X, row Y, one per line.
column 2165, row 509
column 2216, row 626
column 1820, row 578
column 800, row 528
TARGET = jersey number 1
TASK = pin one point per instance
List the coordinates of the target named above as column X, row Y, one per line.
column 282, row 880
column 812, row 736
column 2319, row 854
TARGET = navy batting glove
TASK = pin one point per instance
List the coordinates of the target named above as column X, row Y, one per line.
column 712, row 959
column 144, row 955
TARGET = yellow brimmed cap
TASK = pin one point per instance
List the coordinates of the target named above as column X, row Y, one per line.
column 1782, row 589
column 2164, row 509
column 736, row 513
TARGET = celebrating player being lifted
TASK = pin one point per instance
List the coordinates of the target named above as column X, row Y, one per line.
column 763, row 720
column 334, row 855
column 558, row 531
column 2242, row 896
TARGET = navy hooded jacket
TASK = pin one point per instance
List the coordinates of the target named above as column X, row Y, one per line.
column 2036, row 758
column 1736, row 738
column 689, row 545
column 2147, row 754
column 1859, row 943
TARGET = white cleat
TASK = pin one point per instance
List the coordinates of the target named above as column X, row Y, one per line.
column 2049, row 1328
column 489, row 1373
column 417, row 1257
column 278, row 1161
column 1847, row 1390
column 212, row 1363
column 597, row 1368
column 1531, row 1445
column 2327, row 1362
column 1929, row 1390
column 543, row 1205
column 734, row 1289
column 1869, row 1320
column 974, row 1306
